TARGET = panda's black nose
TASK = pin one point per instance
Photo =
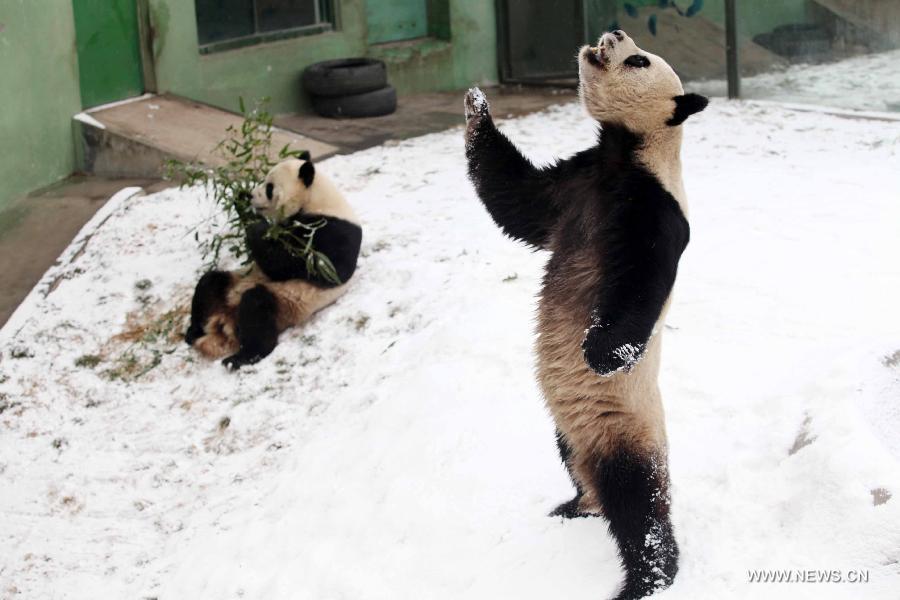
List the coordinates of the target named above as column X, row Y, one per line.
column 620, row 35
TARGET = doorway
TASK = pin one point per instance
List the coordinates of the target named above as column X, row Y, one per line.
column 538, row 39
column 109, row 54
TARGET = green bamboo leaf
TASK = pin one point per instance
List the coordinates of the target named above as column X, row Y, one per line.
column 246, row 152
column 326, row 267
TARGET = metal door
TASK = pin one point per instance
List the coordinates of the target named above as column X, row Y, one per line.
column 539, row 38
column 109, row 56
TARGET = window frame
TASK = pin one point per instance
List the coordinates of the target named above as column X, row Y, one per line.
column 325, row 22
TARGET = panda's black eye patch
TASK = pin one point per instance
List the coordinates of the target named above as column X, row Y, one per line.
column 637, row 60
column 269, row 188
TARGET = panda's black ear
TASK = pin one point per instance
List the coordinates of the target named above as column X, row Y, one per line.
column 305, row 155
column 685, row 106
column 307, row 173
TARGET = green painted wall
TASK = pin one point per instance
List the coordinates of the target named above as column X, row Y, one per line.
column 393, row 20
column 273, row 69
column 270, row 69
column 468, row 57
column 38, row 94
column 473, row 25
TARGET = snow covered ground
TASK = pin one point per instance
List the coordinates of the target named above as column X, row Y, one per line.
column 867, row 82
column 397, row 446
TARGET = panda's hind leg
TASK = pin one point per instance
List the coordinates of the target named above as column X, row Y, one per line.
column 268, row 309
column 257, row 324
column 572, row 508
column 209, row 298
column 632, row 483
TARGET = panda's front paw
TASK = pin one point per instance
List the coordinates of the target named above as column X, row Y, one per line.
column 194, row 332
column 606, row 353
column 569, row 510
column 476, row 104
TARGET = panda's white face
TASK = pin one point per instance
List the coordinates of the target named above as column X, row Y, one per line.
column 622, row 84
column 285, row 191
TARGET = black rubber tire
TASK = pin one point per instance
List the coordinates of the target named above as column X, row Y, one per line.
column 344, row 77
column 370, row 104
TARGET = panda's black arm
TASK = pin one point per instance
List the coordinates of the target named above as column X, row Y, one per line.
column 272, row 256
column 642, row 245
column 517, row 195
column 339, row 240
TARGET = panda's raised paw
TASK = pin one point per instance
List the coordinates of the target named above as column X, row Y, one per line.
column 476, row 104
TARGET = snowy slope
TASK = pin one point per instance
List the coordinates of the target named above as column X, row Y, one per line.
column 397, row 446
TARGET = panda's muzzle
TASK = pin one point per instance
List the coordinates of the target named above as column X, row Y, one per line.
column 596, row 57
column 259, row 200
column 601, row 56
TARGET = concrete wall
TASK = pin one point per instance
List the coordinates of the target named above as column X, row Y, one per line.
column 754, row 16
column 759, row 16
column 468, row 56
column 273, row 69
column 38, row 94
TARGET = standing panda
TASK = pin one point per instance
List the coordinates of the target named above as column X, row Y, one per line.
column 240, row 314
column 614, row 218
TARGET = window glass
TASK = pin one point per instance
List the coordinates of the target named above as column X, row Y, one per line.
column 225, row 20
column 219, row 20
column 275, row 15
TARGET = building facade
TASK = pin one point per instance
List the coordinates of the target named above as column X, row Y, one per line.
column 59, row 57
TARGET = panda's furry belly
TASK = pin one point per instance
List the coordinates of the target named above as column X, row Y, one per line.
column 594, row 413
column 297, row 301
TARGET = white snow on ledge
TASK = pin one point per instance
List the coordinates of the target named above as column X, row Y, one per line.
column 116, row 103
column 397, row 446
column 89, row 120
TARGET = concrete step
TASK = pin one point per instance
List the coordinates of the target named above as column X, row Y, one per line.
column 134, row 138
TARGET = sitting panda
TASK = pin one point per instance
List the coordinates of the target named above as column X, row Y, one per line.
column 240, row 314
column 614, row 219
